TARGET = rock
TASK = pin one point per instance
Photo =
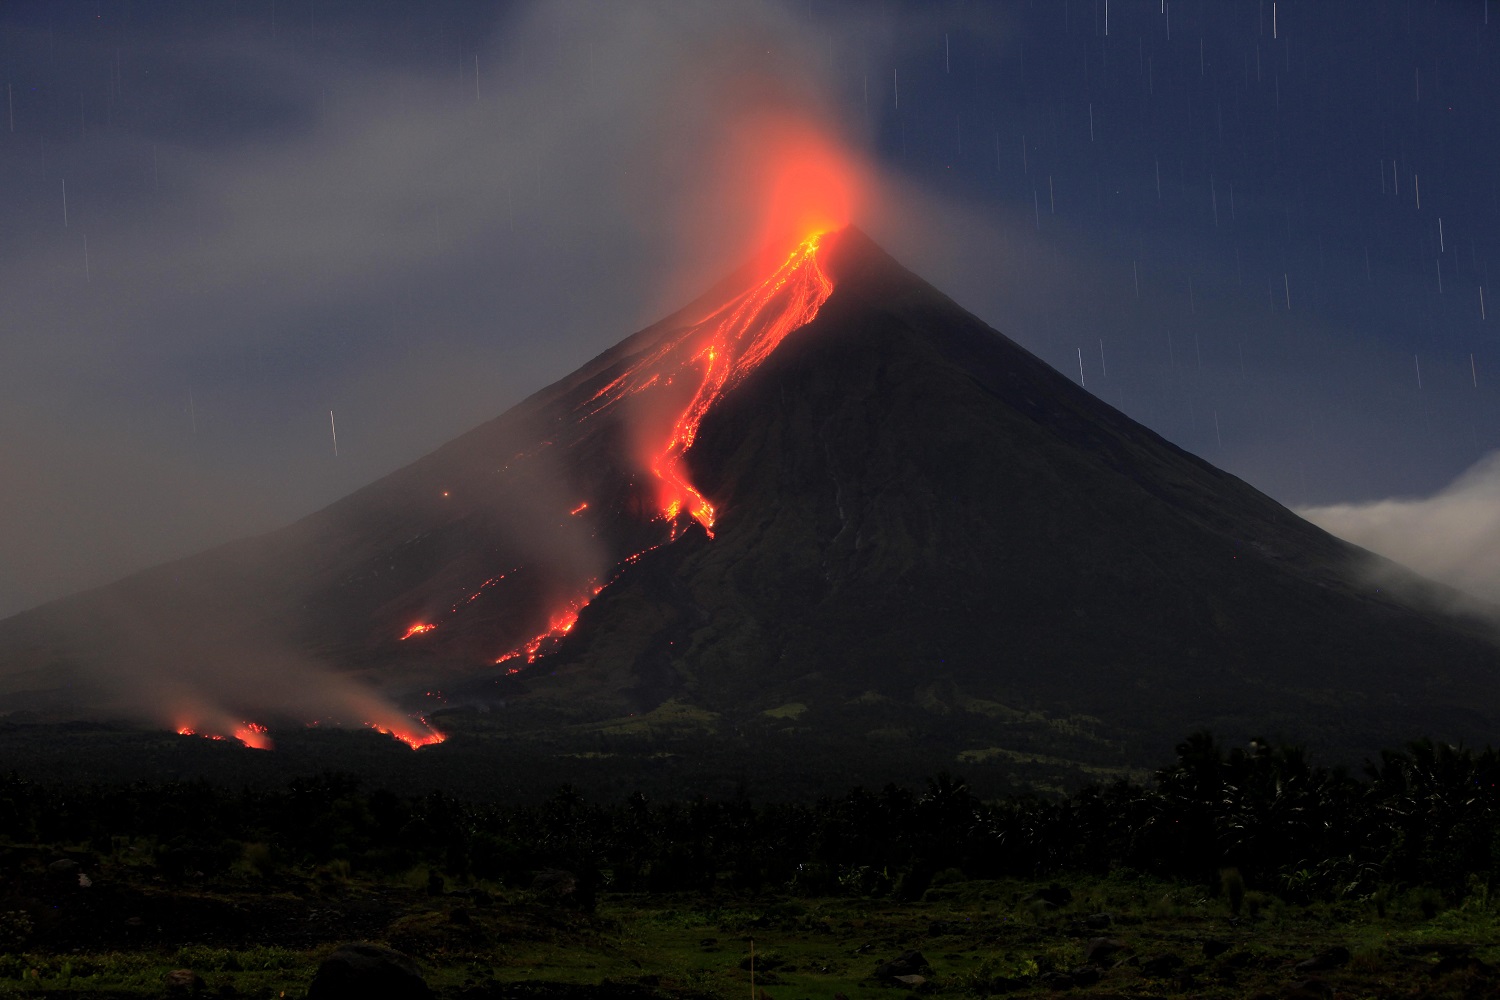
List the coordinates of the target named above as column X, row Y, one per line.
column 1309, row 989
column 910, row 982
column 908, row 963
column 1161, row 965
column 1084, row 975
column 554, row 882
column 1465, row 963
column 1098, row 921
column 459, row 915
column 66, row 868
column 182, row 981
column 435, row 884
column 1053, row 895
column 368, row 972
column 1213, row 948
column 1332, row 958
column 1100, row 950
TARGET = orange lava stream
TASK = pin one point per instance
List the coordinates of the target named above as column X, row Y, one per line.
column 418, row 630
column 413, row 737
column 725, row 347
column 558, row 626
column 251, row 734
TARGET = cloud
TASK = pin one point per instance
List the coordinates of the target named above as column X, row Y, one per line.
column 1452, row 536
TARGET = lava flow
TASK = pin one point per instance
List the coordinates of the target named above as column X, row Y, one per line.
column 558, row 626
column 251, row 734
column 712, row 355
column 413, row 736
column 725, row 346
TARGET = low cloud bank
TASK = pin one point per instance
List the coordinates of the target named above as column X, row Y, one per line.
column 1452, row 536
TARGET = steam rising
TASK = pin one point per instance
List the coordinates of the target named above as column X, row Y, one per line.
column 1452, row 536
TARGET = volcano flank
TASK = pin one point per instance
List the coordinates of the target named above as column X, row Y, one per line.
column 821, row 523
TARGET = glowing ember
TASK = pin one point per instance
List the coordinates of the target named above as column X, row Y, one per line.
column 251, row 734
column 418, row 630
column 559, row 625
column 416, row 737
column 579, row 509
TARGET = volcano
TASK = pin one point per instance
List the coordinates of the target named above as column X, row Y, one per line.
column 821, row 519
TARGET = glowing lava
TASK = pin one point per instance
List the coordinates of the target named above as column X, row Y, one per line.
column 251, row 734
column 559, row 625
column 709, row 356
column 418, row 630
column 412, row 736
column 718, row 352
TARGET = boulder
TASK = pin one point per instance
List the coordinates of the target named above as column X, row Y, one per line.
column 1053, row 895
column 182, row 982
column 908, row 963
column 555, row 883
column 368, row 972
column 1101, row 950
column 1161, row 965
column 1309, row 989
column 1331, row 958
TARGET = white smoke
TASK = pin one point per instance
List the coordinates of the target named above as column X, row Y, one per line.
column 1452, row 536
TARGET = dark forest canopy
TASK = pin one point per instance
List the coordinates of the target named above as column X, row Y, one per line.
column 1426, row 815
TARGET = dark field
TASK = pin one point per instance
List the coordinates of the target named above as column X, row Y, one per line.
column 1228, row 874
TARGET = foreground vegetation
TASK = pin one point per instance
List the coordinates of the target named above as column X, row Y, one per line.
column 1231, row 874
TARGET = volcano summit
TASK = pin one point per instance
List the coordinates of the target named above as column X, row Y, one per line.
column 822, row 521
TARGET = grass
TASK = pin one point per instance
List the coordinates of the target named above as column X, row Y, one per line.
column 979, row 938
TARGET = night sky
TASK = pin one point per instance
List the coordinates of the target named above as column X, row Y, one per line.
column 1266, row 230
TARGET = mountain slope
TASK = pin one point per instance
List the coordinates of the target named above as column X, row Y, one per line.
column 927, row 546
column 915, row 506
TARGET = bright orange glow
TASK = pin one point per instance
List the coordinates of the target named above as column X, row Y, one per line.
column 579, row 509
column 417, row 630
column 716, row 354
column 559, row 625
column 711, row 355
column 809, row 183
column 415, row 736
column 253, row 735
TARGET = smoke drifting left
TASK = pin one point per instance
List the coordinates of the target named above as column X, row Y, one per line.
column 413, row 252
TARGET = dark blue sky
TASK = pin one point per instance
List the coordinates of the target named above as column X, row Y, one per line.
column 414, row 215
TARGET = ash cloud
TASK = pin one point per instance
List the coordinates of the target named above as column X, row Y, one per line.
column 411, row 229
column 1452, row 536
